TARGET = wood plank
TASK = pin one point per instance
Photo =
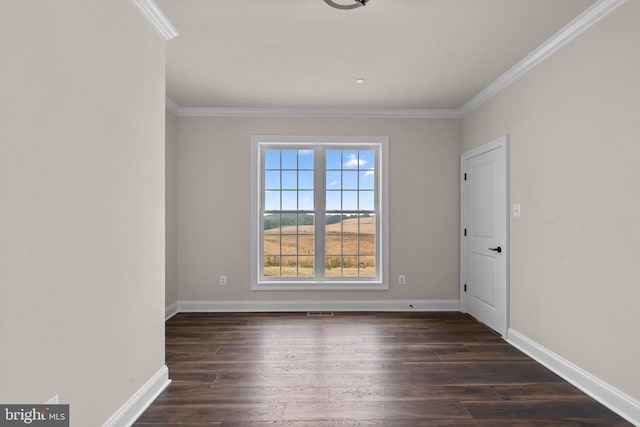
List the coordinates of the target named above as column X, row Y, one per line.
column 581, row 411
column 390, row 394
column 357, row 369
column 212, row 412
column 187, row 392
column 293, row 380
column 395, row 410
column 541, row 391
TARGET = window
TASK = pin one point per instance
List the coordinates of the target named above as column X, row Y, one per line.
column 319, row 213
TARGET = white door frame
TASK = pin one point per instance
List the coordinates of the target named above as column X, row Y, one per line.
column 501, row 142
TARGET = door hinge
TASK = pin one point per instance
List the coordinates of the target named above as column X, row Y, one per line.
column 465, row 288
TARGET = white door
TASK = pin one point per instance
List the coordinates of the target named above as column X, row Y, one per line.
column 484, row 234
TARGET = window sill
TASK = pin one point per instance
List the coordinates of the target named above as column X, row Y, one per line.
column 320, row 286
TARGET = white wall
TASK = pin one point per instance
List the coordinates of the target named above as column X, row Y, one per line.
column 575, row 168
column 81, row 204
column 171, row 220
column 214, row 217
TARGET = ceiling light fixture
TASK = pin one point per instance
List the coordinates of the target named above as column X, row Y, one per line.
column 360, row 81
column 351, row 4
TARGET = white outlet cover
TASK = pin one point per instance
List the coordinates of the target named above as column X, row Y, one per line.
column 516, row 210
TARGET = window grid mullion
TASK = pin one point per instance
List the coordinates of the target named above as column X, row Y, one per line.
column 358, row 206
column 342, row 213
column 319, row 200
column 280, row 218
column 320, row 211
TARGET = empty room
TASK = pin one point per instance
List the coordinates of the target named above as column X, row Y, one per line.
column 320, row 212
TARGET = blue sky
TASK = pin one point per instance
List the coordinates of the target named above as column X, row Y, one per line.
column 349, row 179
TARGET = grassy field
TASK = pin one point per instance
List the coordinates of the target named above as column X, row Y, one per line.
column 347, row 252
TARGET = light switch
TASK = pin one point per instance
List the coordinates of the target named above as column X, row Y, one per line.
column 516, row 210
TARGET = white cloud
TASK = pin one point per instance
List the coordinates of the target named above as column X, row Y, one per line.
column 370, row 172
column 353, row 161
column 334, row 183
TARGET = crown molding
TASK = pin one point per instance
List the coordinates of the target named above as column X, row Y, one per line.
column 156, row 18
column 580, row 24
column 572, row 30
column 325, row 113
column 172, row 106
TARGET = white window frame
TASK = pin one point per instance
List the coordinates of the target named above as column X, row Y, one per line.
column 381, row 281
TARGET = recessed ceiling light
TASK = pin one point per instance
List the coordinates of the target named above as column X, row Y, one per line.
column 360, row 81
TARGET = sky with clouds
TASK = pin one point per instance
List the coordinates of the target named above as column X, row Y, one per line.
column 349, row 179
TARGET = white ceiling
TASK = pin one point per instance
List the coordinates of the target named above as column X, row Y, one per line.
column 304, row 54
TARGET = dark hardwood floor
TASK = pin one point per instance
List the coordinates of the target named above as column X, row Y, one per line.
column 358, row 369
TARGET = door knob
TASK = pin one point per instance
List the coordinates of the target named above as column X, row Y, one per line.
column 498, row 249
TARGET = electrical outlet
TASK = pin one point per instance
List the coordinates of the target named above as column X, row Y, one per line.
column 402, row 279
column 516, row 210
column 223, row 280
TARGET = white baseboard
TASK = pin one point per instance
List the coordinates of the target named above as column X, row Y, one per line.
column 140, row 401
column 288, row 306
column 609, row 396
column 170, row 311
